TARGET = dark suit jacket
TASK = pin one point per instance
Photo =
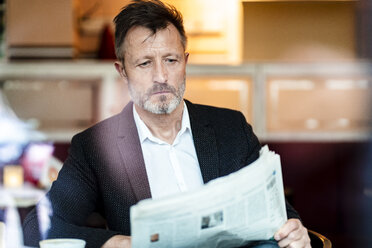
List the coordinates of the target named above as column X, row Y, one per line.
column 105, row 171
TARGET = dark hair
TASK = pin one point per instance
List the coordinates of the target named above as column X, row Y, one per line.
column 151, row 14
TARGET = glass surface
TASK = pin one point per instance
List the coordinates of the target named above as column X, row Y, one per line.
column 319, row 104
column 232, row 93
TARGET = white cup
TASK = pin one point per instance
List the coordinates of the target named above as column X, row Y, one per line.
column 62, row 243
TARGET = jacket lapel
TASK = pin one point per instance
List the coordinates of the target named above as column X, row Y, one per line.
column 205, row 143
column 131, row 153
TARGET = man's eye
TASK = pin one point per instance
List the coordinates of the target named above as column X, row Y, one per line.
column 171, row 60
column 144, row 64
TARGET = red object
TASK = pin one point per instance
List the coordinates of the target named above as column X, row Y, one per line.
column 107, row 45
column 34, row 160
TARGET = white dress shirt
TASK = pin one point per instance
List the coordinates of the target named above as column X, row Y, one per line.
column 171, row 168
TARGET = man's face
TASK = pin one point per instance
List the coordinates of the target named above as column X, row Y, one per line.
column 154, row 68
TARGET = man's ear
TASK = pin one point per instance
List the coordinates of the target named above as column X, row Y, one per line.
column 120, row 69
column 186, row 57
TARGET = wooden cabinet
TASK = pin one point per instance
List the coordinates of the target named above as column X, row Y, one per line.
column 54, row 103
column 308, row 101
column 39, row 28
column 299, row 31
column 225, row 92
column 323, row 103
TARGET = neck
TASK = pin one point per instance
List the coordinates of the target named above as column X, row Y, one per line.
column 163, row 126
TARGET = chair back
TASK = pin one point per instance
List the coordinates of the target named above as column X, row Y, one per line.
column 319, row 241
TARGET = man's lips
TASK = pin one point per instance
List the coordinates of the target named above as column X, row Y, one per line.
column 162, row 92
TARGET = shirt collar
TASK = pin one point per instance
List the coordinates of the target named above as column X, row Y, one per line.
column 145, row 133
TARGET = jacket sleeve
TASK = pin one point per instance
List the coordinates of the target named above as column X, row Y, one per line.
column 64, row 210
column 291, row 212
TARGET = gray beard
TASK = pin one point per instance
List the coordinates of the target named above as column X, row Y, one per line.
column 161, row 107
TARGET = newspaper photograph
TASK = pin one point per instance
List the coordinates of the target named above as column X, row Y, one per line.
column 229, row 211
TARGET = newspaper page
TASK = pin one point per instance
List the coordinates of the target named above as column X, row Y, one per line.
column 229, row 211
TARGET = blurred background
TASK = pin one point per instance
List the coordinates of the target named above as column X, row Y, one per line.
column 300, row 71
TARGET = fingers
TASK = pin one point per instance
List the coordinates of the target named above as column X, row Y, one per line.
column 297, row 242
column 293, row 235
column 288, row 227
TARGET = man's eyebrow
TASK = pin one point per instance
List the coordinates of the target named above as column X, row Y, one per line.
column 172, row 54
column 140, row 60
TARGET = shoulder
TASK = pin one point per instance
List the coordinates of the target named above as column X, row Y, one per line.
column 214, row 115
column 111, row 126
column 235, row 140
column 227, row 123
column 96, row 140
column 105, row 126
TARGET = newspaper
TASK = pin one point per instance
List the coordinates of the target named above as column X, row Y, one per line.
column 229, row 211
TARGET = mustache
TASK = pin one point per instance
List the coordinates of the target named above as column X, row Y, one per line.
column 162, row 87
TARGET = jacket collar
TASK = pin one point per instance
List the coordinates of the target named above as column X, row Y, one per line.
column 205, row 142
column 131, row 153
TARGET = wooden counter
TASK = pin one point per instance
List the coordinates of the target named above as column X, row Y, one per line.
column 283, row 101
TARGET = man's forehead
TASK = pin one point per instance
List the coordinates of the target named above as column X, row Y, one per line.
column 138, row 35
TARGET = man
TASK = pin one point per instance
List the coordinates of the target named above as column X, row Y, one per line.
column 159, row 145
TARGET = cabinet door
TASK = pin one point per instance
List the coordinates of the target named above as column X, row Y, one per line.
column 54, row 103
column 40, row 23
column 233, row 93
column 214, row 29
column 319, row 104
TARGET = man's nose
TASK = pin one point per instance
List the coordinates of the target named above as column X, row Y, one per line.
column 160, row 73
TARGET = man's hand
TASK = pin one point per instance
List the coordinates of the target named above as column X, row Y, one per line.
column 293, row 235
column 118, row 241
